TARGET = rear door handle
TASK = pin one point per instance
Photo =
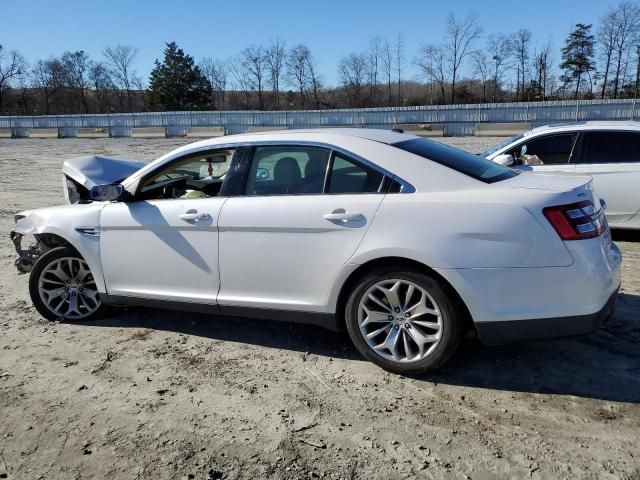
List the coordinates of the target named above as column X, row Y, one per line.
column 343, row 217
column 193, row 216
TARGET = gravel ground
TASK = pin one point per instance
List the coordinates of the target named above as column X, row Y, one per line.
column 153, row 394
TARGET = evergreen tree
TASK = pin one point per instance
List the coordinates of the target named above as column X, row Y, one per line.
column 577, row 55
column 177, row 83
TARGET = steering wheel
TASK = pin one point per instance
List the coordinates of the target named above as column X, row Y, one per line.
column 173, row 191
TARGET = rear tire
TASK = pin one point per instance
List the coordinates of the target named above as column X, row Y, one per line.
column 63, row 288
column 404, row 321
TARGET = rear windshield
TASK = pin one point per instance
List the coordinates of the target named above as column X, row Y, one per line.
column 459, row 160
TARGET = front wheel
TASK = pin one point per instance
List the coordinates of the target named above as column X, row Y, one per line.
column 404, row 322
column 63, row 288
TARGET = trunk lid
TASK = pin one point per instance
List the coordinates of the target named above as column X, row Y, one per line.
column 547, row 181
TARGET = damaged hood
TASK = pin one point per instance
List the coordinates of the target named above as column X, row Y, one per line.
column 98, row 170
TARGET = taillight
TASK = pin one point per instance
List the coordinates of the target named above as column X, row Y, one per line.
column 576, row 221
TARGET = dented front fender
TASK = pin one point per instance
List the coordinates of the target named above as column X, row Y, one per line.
column 70, row 223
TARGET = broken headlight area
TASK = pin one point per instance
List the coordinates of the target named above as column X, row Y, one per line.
column 37, row 245
column 74, row 192
column 27, row 257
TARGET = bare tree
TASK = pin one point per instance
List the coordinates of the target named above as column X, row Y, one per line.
column 275, row 58
column 459, row 38
column 375, row 52
column 481, row 68
column 315, row 81
column 521, row 44
column 499, row 49
column 48, row 77
column 120, row 61
column 297, row 73
column 387, row 67
column 542, row 65
column 241, row 82
column 353, row 73
column 607, row 37
column 76, row 66
column 627, row 22
column 255, row 65
column 216, row 73
column 100, row 81
column 400, row 63
column 12, row 67
column 432, row 64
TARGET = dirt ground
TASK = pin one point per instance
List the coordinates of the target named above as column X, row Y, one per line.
column 152, row 394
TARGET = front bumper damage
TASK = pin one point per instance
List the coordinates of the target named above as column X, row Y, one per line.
column 26, row 257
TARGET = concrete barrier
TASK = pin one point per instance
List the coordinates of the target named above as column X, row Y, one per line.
column 119, row 132
column 67, row 132
column 41, row 132
column 93, row 132
column 5, row 133
column 501, row 129
column 20, row 132
column 263, row 128
column 422, row 129
column 206, row 132
column 148, row 132
column 174, row 131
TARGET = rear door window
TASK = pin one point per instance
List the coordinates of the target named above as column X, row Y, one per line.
column 287, row 170
column 611, row 147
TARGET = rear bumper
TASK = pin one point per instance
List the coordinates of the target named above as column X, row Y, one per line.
column 499, row 333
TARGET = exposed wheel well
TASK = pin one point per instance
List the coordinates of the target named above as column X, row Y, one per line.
column 401, row 264
column 51, row 240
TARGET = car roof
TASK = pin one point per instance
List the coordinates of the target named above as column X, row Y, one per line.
column 378, row 135
column 590, row 125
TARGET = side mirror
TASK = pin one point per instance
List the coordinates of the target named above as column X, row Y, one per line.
column 106, row 193
column 504, row 159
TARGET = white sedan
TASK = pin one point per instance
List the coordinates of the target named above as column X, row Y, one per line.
column 405, row 242
column 607, row 151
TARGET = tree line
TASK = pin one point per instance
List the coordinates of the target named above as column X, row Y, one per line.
column 467, row 66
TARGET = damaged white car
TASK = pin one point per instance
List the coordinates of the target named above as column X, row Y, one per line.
column 404, row 242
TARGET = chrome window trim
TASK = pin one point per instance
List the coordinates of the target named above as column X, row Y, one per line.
column 405, row 186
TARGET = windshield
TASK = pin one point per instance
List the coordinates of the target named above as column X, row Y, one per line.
column 502, row 144
column 456, row 159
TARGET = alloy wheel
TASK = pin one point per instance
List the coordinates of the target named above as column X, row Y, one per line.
column 67, row 288
column 399, row 320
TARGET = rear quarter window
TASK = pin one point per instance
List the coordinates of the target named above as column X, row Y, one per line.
column 464, row 162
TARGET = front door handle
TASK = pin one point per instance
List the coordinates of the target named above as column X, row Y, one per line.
column 194, row 216
column 342, row 216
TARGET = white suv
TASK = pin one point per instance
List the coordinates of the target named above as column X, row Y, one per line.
column 607, row 151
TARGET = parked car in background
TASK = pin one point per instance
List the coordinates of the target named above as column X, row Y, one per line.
column 403, row 241
column 607, row 151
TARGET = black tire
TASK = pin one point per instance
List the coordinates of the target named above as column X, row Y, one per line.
column 41, row 265
column 451, row 311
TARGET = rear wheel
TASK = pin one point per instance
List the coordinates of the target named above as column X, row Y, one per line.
column 405, row 322
column 63, row 288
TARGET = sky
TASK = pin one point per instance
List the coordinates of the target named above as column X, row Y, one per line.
column 221, row 29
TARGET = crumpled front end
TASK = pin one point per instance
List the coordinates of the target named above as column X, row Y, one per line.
column 38, row 231
column 40, row 242
column 26, row 257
